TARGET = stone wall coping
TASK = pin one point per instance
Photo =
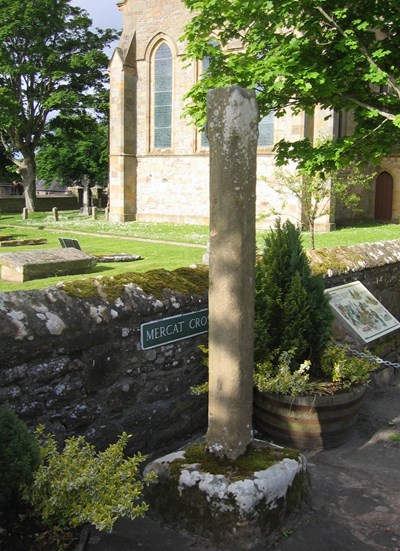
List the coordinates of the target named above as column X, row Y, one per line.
column 29, row 320
column 354, row 258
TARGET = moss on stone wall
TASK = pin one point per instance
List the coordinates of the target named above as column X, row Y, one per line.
column 343, row 260
column 324, row 261
column 186, row 281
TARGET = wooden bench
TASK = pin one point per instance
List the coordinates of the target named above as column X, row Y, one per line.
column 27, row 265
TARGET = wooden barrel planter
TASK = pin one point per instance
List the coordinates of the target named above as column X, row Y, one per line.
column 308, row 422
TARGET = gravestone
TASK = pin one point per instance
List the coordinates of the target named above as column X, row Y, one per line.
column 27, row 265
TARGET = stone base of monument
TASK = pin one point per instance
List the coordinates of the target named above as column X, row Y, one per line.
column 236, row 505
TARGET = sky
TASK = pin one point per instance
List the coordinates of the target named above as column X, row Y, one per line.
column 104, row 13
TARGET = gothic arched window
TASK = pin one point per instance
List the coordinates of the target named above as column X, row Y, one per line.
column 162, row 99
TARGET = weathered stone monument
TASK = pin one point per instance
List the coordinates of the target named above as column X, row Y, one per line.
column 232, row 128
column 85, row 200
column 230, row 488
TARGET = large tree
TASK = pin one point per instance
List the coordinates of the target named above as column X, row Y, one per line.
column 50, row 61
column 297, row 54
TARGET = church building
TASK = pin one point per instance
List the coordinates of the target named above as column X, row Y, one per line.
column 159, row 162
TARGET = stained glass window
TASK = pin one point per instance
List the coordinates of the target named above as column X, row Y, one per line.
column 163, row 97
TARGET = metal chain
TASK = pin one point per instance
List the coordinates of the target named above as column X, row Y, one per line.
column 369, row 357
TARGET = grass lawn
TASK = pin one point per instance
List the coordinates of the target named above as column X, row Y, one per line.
column 156, row 243
column 155, row 255
column 70, row 220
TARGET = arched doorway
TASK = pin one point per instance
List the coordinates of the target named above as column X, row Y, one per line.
column 384, row 197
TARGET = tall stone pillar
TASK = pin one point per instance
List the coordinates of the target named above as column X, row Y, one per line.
column 123, row 162
column 232, row 130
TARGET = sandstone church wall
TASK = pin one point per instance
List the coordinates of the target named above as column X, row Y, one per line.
column 172, row 184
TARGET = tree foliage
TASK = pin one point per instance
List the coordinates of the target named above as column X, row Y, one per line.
column 76, row 147
column 298, row 54
column 6, row 167
column 50, row 61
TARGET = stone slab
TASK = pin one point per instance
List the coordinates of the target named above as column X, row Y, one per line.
column 27, row 265
column 20, row 242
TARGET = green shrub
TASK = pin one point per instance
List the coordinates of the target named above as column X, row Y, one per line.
column 292, row 312
column 347, row 371
column 19, row 456
column 339, row 371
column 80, row 485
column 276, row 375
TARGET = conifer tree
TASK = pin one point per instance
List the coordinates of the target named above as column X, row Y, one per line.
column 292, row 310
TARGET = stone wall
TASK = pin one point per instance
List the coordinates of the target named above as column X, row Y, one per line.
column 14, row 205
column 76, row 365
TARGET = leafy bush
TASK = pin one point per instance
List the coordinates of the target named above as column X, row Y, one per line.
column 19, row 456
column 339, row 372
column 80, row 485
column 292, row 312
column 348, row 371
column 276, row 376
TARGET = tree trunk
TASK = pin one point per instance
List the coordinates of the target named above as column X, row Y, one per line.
column 27, row 170
column 312, row 234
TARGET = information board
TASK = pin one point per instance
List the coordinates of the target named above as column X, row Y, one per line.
column 361, row 311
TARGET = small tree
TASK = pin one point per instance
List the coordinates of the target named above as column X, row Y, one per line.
column 317, row 192
column 292, row 312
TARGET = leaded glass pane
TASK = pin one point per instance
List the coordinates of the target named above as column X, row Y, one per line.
column 204, row 140
column 266, row 131
column 163, row 97
column 162, row 138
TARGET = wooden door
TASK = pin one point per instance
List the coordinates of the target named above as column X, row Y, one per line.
column 384, row 197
